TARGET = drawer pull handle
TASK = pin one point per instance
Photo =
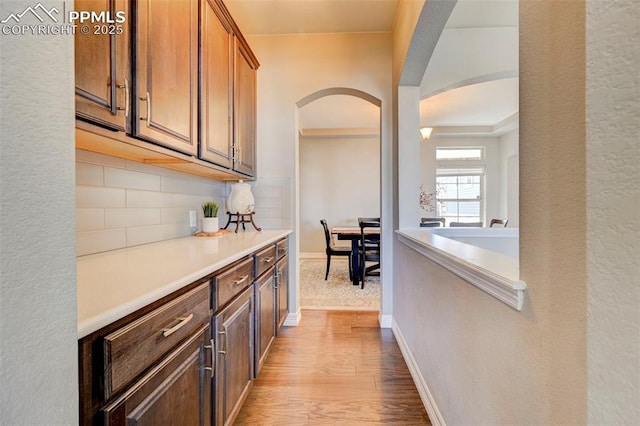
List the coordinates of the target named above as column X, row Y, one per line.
column 166, row 332
column 241, row 280
column 268, row 260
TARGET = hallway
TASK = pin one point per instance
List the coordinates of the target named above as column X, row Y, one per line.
column 336, row 367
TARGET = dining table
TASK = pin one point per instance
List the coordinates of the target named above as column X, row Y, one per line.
column 352, row 233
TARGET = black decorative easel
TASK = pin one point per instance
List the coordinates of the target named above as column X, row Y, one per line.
column 241, row 218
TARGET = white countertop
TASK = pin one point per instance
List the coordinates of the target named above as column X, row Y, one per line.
column 114, row 284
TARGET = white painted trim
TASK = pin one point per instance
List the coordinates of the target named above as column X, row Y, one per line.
column 345, row 133
column 423, row 389
column 386, row 321
column 293, row 319
column 442, row 250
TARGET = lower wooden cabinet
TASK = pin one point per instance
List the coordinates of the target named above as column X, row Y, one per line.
column 265, row 291
column 153, row 366
column 282, row 291
column 233, row 328
column 177, row 391
column 191, row 357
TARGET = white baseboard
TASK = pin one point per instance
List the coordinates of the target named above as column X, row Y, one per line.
column 418, row 379
column 293, row 319
column 386, row 321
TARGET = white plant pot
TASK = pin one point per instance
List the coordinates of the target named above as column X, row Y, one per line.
column 240, row 199
column 210, row 224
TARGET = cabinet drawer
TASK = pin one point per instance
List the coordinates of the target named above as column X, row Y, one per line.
column 232, row 282
column 282, row 247
column 133, row 348
column 265, row 259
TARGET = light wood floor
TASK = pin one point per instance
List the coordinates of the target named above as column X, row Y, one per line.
column 335, row 368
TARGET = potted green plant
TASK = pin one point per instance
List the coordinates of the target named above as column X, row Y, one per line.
column 210, row 220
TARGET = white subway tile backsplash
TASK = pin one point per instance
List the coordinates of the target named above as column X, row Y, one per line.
column 83, row 156
column 177, row 215
column 122, row 203
column 89, row 220
column 189, row 186
column 99, row 241
column 89, row 174
column 265, row 223
column 125, row 218
column 94, row 197
column 120, row 178
column 147, row 199
column 267, row 191
column 265, row 202
column 151, row 169
column 149, row 234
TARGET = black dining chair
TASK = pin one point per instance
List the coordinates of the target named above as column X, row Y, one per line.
column 502, row 222
column 369, row 248
column 432, row 222
column 334, row 251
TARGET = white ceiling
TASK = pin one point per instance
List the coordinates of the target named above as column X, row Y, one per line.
column 312, row 16
column 484, row 103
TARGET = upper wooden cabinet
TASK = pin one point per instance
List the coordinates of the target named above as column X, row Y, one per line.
column 216, row 90
column 102, row 69
column 166, row 73
column 245, row 110
column 175, row 85
column 228, row 92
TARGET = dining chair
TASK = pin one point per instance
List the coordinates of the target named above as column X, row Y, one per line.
column 466, row 224
column 502, row 222
column 332, row 250
column 369, row 247
column 433, row 222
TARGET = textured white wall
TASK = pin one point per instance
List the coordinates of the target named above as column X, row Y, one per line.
column 613, row 202
column 38, row 344
column 339, row 182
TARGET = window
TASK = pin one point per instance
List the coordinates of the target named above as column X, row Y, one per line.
column 459, row 194
column 466, row 153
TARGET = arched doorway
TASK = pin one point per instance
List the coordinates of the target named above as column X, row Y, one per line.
column 332, row 132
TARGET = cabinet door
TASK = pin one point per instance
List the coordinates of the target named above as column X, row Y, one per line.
column 265, row 316
column 165, row 110
column 234, row 342
column 101, row 68
column 282, row 288
column 175, row 391
column 216, row 95
column 244, row 158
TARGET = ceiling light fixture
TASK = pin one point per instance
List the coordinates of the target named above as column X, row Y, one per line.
column 425, row 132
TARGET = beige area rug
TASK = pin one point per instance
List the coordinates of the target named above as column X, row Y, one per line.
column 337, row 293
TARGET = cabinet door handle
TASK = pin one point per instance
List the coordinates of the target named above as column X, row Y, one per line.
column 268, row 260
column 125, row 86
column 213, row 358
column 148, row 101
column 166, row 332
column 241, row 280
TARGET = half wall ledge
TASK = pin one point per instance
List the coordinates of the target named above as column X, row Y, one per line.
column 491, row 272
